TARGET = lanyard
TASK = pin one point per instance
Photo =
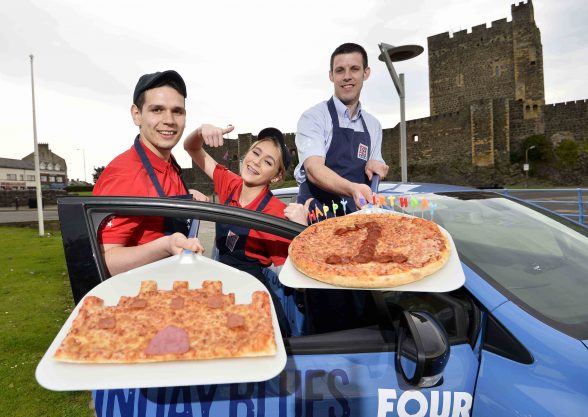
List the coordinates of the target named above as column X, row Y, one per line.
column 151, row 172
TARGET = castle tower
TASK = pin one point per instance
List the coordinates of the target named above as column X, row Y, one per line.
column 504, row 60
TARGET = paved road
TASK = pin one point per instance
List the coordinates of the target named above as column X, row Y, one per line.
column 26, row 215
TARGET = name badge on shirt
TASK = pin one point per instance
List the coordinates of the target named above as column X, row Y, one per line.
column 362, row 152
column 231, row 240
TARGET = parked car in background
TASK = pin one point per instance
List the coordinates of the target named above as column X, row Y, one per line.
column 513, row 341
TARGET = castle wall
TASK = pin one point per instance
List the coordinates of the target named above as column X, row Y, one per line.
column 440, row 138
column 500, row 61
column 566, row 121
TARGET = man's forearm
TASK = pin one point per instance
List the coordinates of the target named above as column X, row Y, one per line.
column 120, row 258
column 327, row 179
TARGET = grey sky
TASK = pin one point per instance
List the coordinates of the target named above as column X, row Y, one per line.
column 252, row 64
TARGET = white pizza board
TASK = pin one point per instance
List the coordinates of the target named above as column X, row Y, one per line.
column 448, row 278
column 62, row 376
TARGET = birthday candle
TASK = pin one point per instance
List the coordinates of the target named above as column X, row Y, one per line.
column 335, row 207
column 318, row 212
column 311, row 216
column 382, row 200
column 326, row 210
column 362, row 202
column 433, row 207
column 373, row 199
column 403, row 201
column 344, row 202
column 391, row 200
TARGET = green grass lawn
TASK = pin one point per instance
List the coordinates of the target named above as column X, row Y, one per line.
column 35, row 301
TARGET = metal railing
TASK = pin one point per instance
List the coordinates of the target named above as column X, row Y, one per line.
column 568, row 202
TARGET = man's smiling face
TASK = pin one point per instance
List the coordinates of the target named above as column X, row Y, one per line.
column 348, row 75
column 161, row 120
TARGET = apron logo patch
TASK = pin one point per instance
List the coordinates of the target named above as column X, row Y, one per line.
column 231, row 241
column 362, row 152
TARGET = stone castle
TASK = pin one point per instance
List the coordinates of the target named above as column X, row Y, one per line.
column 487, row 96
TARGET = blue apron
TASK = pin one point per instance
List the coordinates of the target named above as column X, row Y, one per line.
column 230, row 242
column 170, row 225
column 347, row 156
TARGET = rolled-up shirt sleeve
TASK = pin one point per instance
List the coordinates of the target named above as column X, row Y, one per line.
column 310, row 135
column 376, row 145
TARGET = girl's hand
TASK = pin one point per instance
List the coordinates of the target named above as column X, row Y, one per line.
column 298, row 213
column 213, row 135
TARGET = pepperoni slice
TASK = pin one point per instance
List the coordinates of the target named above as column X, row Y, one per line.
column 215, row 301
column 170, row 339
column 107, row 323
column 139, row 303
column 235, row 320
column 177, row 303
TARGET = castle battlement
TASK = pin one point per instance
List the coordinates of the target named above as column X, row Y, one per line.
column 522, row 12
column 568, row 103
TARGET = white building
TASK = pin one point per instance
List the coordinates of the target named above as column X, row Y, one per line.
column 19, row 174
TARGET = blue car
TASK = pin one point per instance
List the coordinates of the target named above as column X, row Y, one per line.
column 513, row 341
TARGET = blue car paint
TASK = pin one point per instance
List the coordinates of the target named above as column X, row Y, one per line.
column 555, row 384
column 482, row 290
column 311, row 385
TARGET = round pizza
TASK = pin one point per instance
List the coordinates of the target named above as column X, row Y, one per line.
column 370, row 250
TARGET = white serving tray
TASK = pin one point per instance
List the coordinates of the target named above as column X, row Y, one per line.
column 63, row 376
column 448, row 278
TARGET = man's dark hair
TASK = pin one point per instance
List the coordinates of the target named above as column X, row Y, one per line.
column 171, row 83
column 158, row 79
column 349, row 48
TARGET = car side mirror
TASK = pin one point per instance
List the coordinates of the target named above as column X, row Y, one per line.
column 422, row 350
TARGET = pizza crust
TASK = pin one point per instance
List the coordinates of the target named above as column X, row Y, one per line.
column 309, row 250
column 159, row 325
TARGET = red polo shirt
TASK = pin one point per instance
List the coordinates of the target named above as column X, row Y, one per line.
column 126, row 176
column 265, row 247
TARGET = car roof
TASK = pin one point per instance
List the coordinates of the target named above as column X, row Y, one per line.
column 396, row 188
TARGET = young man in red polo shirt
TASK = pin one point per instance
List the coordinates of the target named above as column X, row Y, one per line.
column 148, row 169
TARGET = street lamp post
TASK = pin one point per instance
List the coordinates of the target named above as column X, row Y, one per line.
column 40, row 219
column 84, row 156
column 388, row 55
column 526, row 166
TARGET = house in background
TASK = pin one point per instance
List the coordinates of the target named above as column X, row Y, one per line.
column 19, row 174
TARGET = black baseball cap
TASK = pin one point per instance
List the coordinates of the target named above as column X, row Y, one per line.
column 278, row 137
column 157, row 79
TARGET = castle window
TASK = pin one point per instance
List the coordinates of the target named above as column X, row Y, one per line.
column 415, row 138
column 528, row 108
column 532, row 62
column 534, row 107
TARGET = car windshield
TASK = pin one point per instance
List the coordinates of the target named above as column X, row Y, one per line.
column 536, row 259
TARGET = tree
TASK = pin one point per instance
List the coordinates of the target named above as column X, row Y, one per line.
column 541, row 152
column 567, row 152
column 96, row 173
